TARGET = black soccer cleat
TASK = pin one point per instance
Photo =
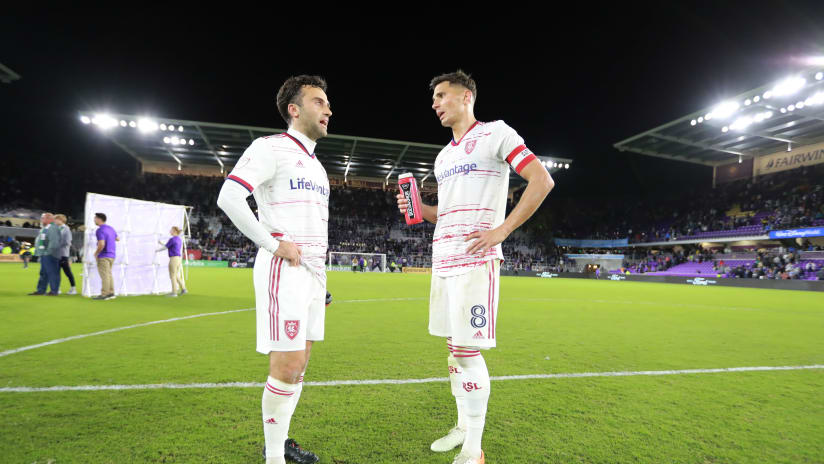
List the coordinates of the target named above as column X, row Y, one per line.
column 328, row 298
column 295, row 453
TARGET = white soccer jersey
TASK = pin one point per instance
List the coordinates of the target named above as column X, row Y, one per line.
column 473, row 179
column 291, row 190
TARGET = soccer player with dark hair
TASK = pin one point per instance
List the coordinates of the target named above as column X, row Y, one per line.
column 291, row 190
column 473, row 177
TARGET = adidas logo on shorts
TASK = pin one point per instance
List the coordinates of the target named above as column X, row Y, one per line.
column 478, row 335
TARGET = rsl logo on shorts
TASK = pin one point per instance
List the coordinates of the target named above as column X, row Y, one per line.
column 291, row 328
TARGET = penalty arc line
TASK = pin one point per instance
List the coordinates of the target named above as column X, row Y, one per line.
column 336, row 383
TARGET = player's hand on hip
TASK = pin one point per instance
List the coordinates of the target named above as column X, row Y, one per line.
column 484, row 240
column 290, row 252
column 402, row 203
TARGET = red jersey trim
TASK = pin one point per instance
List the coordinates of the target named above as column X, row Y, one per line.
column 299, row 144
column 514, row 152
column 524, row 162
column 241, row 182
column 454, row 143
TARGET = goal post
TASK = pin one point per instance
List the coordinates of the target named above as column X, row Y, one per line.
column 342, row 261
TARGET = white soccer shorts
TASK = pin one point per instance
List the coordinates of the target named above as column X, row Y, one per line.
column 290, row 304
column 465, row 306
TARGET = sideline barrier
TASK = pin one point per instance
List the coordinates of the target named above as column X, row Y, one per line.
column 808, row 285
column 417, row 270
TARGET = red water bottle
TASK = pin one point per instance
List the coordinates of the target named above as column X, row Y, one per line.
column 409, row 189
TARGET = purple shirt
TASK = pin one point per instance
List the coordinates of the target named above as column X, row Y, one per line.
column 107, row 233
column 175, row 244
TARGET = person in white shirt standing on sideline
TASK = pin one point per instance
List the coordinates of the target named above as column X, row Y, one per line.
column 473, row 177
column 291, row 190
column 175, row 247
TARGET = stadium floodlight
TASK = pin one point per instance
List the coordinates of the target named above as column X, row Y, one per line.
column 104, row 121
column 724, row 109
column 816, row 99
column 783, row 110
column 700, row 119
column 791, row 108
column 747, row 102
column 132, row 124
column 171, row 127
column 741, row 123
column 741, row 138
column 693, row 122
column 122, row 123
column 162, row 126
column 799, row 105
column 566, row 166
column 819, row 75
column 180, row 128
column 767, row 95
column 791, row 124
column 756, row 99
column 788, row 86
column 167, row 140
column 175, row 140
column 707, row 116
column 85, row 119
column 725, row 129
column 146, row 125
column 191, row 141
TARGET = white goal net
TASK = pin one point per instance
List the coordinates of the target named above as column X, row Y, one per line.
column 361, row 262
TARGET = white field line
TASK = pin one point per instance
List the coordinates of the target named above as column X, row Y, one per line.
column 372, row 300
column 336, row 383
column 174, row 319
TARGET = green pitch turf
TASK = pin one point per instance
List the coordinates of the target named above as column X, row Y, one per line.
column 377, row 329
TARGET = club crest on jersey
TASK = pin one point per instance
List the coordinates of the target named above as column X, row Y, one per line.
column 470, row 145
column 291, row 328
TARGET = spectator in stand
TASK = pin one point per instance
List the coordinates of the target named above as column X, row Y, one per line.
column 65, row 250
column 105, row 254
column 175, row 247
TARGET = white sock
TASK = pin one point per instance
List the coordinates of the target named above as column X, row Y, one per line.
column 476, row 386
column 296, row 396
column 277, row 406
column 455, row 379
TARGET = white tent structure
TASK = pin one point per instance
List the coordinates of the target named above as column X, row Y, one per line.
column 139, row 269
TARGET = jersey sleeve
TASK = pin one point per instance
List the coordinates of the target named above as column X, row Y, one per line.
column 257, row 164
column 512, row 149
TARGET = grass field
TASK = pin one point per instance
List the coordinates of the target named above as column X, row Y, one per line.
column 377, row 329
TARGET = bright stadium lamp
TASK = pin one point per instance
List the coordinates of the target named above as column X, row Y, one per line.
column 767, row 95
column 146, row 125
column 747, row 102
column 175, row 140
column 816, row 99
column 85, row 119
column 171, row 127
column 180, row 128
column 791, row 108
column 167, row 140
column 819, row 75
column 132, row 124
column 122, row 123
column 104, row 121
column 756, row 99
column 693, row 122
column 725, row 109
column 191, row 142
column 741, row 123
column 788, row 86
column 162, row 126
column 725, row 129
column 799, row 105
column 566, row 166
column 707, row 116
column 700, row 119
column 741, row 138
column 783, row 110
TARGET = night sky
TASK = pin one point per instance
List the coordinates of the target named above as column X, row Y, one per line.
column 571, row 84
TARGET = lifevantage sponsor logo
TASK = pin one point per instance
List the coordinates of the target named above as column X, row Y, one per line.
column 784, row 160
column 701, row 281
column 546, row 275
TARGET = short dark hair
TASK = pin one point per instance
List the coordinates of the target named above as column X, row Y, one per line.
column 101, row 216
column 458, row 77
column 291, row 91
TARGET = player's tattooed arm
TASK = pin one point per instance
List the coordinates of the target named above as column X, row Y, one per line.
column 430, row 212
column 539, row 183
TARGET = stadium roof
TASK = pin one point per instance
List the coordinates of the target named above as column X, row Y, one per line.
column 187, row 142
column 771, row 118
column 7, row 75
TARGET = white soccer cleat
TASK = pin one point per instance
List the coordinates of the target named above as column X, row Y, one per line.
column 465, row 459
column 452, row 440
column 73, row 291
